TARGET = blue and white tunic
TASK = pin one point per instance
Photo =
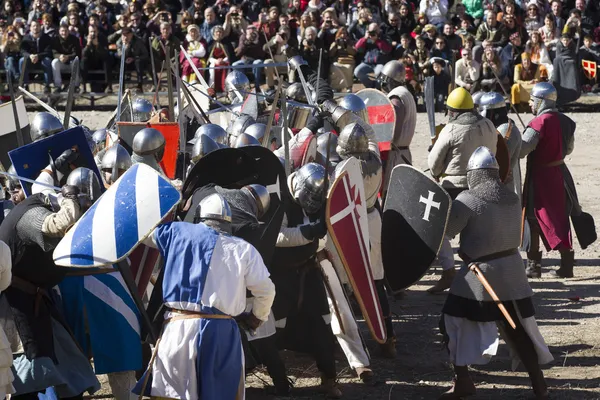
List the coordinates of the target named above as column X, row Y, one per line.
column 205, row 272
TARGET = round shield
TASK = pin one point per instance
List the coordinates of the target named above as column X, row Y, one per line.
column 381, row 113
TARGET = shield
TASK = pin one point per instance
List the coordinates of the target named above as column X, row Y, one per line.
column 589, row 68
column 8, row 132
column 381, row 113
column 298, row 115
column 414, row 222
column 503, row 157
column 346, row 216
column 303, row 149
column 170, row 131
column 119, row 220
column 31, row 159
column 250, row 106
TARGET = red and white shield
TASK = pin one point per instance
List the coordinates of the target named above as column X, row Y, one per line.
column 347, row 224
column 381, row 113
column 303, row 149
column 589, row 68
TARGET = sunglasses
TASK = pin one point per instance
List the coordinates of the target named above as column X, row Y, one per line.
column 372, row 33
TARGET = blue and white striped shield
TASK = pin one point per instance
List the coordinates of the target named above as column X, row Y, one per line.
column 121, row 218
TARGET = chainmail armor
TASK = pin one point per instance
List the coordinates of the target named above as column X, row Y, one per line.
column 29, row 228
column 149, row 160
column 239, row 200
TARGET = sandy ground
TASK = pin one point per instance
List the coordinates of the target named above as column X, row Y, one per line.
column 567, row 312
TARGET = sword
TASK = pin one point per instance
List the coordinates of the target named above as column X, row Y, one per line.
column 20, row 139
column 475, row 269
column 71, row 92
column 290, row 102
column 154, row 76
column 170, row 82
column 305, row 87
column 336, row 309
column 182, row 131
column 265, row 142
column 506, row 94
column 284, row 134
column 271, row 53
column 44, row 105
column 245, row 66
column 121, row 77
column 319, row 70
column 194, row 68
column 430, row 107
column 30, row 181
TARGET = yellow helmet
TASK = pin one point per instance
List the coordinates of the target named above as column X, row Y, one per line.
column 460, row 100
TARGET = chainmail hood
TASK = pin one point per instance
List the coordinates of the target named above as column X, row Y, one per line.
column 485, row 184
column 463, row 118
column 239, row 200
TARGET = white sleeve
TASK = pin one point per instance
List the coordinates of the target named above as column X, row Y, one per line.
column 5, row 266
column 290, row 237
column 259, row 284
column 43, row 177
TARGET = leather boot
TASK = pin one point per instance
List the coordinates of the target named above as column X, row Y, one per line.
column 462, row 385
column 366, row 375
column 445, row 281
column 388, row 349
column 567, row 259
column 330, row 388
column 534, row 265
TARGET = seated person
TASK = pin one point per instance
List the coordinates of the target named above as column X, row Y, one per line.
column 527, row 74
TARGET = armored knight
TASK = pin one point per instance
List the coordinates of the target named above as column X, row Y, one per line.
column 392, row 82
column 323, row 140
column 115, row 162
column 237, row 86
column 237, row 126
column 493, row 107
column 355, row 104
column 257, row 131
column 466, row 130
column 470, row 317
column 45, row 353
column 213, row 131
column 148, row 148
column 301, row 310
column 549, row 137
column 244, row 140
column 141, row 110
column 99, row 139
column 43, row 125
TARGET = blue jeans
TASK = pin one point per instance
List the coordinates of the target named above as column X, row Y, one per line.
column 255, row 71
column 362, row 72
column 46, row 66
column 11, row 65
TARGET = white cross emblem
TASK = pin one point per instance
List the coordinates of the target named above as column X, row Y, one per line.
column 428, row 204
column 274, row 188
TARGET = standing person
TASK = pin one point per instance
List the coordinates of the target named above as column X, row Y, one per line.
column 36, row 50
column 470, row 318
column 65, row 47
column 549, row 137
column 373, row 52
column 466, row 130
column 565, row 71
column 207, row 273
column 393, row 83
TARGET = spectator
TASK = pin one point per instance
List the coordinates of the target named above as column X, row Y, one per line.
column 328, row 28
column 122, row 22
column 407, row 19
column 440, row 49
column 421, row 54
column 48, row 25
column 315, row 5
column 526, row 75
column 550, row 34
column 164, row 41
column 138, row 27
column 95, row 56
column 511, row 53
column 466, row 29
column 429, row 35
column 270, row 24
column 250, row 50
column 310, row 50
column 511, row 26
column 533, row 21
column 221, row 8
column 565, row 71
column 305, row 22
column 342, row 53
column 104, row 21
column 491, row 31
column 557, row 14
column 374, row 53
column 210, row 21
column 278, row 47
column 358, row 28
column 181, row 29
column 474, row 8
column 197, row 7
column 38, row 9
column 136, row 55
column 11, row 48
column 148, row 13
column 441, row 82
column 157, row 20
column 286, row 20
column 453, row 41
column 36, row 50
column 196, row 46
column 65, row 47
column 539, row 54
column 7, row 13
column 408, row 59
column 460, row 13
column 591, row 53
column 75, row 28
column 467, row 72
column 492, row 73
column 390, row 30
column 219, row 54
column 235, row 26
column 435, row 10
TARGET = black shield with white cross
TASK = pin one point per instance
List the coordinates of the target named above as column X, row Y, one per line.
column 414, row 222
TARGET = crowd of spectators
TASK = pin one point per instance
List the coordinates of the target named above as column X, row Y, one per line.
column 477, row 44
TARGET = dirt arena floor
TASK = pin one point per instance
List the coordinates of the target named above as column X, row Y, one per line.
column 567, row 313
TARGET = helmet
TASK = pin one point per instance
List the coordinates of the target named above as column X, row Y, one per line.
column 392, row 75
column 460, row 100
column 214, row 131
column 544, row 97
column 477, row 97
column 99, row 139
column 309, row 187
column 43, row 125
column 88, row 184
column 296, row 61
column 141, row 110
column 257, row 131
column 353, row 139
column 115, row 159
column 236, row 81
column 245, row 140
column 213, row 207
column 12, row 183
column 491, row 101
column 148, row 141
column 202, row 147
column 296, row 92
column 355, row 104
column 482, row 158
column 239, row 126
column 261, row 196
column 322, row 141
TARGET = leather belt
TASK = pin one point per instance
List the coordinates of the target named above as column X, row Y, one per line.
column 31, row 289
column 554, row 163
column 488, row 257
column 186, row 314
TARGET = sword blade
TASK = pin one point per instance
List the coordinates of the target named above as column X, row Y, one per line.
column 21, row 178
column 13, row 101
column 265, row 142
column 194, row 68
column 170, row 82
column 121, row 77
column 71, row 92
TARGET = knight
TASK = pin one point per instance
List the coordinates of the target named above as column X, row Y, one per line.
column 549, row 191
column 237, row 86
column 470, row 317
column 148, row 148
column 43, row 125
column 141, row 110
column 115, row 162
